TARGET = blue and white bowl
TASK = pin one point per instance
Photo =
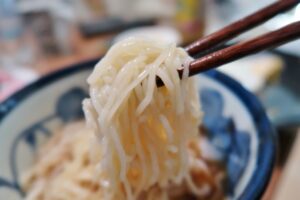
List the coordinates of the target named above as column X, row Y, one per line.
column 236, row 122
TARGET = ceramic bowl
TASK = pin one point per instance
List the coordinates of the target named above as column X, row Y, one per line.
column 236, row 122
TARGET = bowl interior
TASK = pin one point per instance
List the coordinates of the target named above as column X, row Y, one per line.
column 236, row 124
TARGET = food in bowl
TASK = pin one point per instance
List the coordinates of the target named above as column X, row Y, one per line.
column 142, row 141
column 65, row 168
column 243, row 136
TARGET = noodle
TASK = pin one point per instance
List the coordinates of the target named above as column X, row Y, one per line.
column 137, row 143
column 170, row 117
column 64, row 169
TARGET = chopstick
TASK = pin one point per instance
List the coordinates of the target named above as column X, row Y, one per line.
column 240, row 26
column 234, row 52
column 225, row 55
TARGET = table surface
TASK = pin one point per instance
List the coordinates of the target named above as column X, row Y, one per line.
column 288, row 187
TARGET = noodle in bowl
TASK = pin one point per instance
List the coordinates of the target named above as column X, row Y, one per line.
column 144, row 130
column 135, row 146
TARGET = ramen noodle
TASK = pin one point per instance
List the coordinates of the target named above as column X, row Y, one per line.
column 142, row 141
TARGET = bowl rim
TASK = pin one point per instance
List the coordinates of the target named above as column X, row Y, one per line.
column 267, row 150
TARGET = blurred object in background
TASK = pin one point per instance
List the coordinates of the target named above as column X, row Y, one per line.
column 11, row 28
column 110, row 26
column 190, row 19
column 57, row 33
column 165, row 34
column 282, row 100
column 283, row 105
column 119, row 15
column 255, row 72
column 51, row 23
column 185, row 15
column 14, row 78
column 88, row 10
column 15, row 52
column 141, row 9
column 42, row 26
column 14, row 48
column 54, row 35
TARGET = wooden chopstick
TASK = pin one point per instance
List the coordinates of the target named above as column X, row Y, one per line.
column 234, row 52
column 229, row 54
column 240, row 26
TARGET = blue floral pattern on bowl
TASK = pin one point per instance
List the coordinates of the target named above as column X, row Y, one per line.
column 231, row 143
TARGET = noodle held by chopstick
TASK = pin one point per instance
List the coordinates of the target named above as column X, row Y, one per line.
column 143, row 130
column 142, row 142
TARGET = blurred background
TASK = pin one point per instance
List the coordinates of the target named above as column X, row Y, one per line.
column 38, row 37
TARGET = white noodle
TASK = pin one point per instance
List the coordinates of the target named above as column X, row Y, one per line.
column 158, row 60
column 142, row 131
